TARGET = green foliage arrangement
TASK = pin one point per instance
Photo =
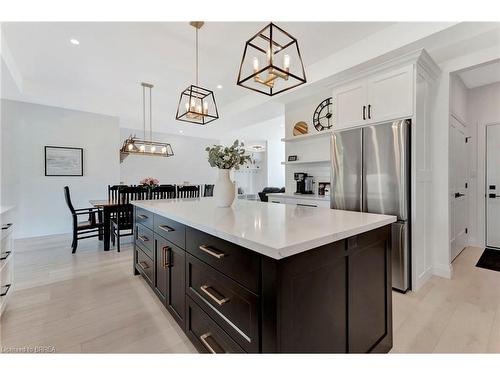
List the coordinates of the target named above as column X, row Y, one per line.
column 227, row 157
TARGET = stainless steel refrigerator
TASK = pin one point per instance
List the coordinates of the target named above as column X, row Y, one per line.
column 371, row 173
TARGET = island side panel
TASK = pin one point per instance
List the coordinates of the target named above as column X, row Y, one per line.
column 370, row 292
column 312, row 300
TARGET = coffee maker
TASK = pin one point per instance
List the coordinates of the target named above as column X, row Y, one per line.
column 304, row 183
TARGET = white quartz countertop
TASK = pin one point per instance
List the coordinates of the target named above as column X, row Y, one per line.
column 275, row 230
column 300, row 196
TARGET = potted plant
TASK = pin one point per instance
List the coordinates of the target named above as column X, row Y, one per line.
column 226, row 158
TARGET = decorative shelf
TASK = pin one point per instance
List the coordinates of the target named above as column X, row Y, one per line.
column 305, row 161
column 305, row 137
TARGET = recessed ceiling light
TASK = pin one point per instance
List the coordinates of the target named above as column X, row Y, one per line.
column 181, row 131
column 219, row 86
column 74, row 42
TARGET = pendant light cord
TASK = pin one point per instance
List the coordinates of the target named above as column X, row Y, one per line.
column 150, row 114
column 196, row 56
column 144, row 111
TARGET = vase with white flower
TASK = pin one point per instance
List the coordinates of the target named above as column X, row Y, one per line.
column 226, row 158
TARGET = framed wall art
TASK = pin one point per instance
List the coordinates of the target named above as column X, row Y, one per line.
column 63, row 161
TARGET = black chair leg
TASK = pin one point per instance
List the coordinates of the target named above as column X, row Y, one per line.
column 74, row 244
column 117, row 240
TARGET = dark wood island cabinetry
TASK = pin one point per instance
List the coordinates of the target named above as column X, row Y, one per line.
column 335, row 298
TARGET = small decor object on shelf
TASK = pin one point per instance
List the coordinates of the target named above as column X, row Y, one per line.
column 300, row 128
column 226, row 158
column 323, row 115
column 271, row 62
column 292, row 157
column 150, row 182
column 324, row 188
column 63, row 161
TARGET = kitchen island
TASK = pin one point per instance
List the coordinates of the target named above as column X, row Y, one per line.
column 267, row 278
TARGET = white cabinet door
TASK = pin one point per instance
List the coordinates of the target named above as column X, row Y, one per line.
column 348, row 103
column 390, row 95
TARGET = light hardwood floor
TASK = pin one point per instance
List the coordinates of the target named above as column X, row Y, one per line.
column 90, row 302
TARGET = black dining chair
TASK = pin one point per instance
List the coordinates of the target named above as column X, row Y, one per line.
column 132, row 193
column 92, row 227
column 123, row 219
column 208, row 190
column 163, row 192
column 192, row 191
column 113, row 192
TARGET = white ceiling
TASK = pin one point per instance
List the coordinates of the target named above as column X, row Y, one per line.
column 103, row 73
column 482, row 75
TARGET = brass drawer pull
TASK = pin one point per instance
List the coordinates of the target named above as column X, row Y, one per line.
column 210, row 250
column 166, row 258
column 143, row 265
column 141, row 216
column 218, row 301
column 143, row 238
column 204, row 341
column 166, row 228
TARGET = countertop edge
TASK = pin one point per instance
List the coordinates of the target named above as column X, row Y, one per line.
column 272, row 252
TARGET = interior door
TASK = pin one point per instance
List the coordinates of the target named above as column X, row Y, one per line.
column 350, row 105
column 458, row 188
column 493, row 186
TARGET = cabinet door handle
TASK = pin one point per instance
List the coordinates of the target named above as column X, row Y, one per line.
column 6, row 288
column 166, row 228
column 204, row 341
column 141, row 216
column 306, row 205
column 210, row 250
column 166, row 258
column 143, row 238
column 143, row 265
column 364, row 112
column 5, row 255
column 369, row 111
column 218, row 301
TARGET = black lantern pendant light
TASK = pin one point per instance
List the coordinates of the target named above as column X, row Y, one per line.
column 271, row 62
column 136, row 146
column 197, row 104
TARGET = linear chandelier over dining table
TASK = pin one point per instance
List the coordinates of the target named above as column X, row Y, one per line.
column 197, row 104
column 148, row 147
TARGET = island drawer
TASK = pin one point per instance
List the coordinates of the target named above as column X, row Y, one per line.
column 145, row 265
column 233, row 307
column 205, row 334
column 171, row 230
column 240, row 264
column 144, row 217
column 144, row 238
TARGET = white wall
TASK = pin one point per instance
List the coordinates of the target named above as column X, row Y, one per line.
column 26, row 129
column 271, row 132
column 483, row 107
column 189, row 162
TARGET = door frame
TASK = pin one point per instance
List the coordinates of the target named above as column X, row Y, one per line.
column 484, row 190
column 452, row 118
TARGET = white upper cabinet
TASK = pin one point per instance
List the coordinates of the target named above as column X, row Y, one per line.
column 378, row 98
column 350, row 105
column 390, row 95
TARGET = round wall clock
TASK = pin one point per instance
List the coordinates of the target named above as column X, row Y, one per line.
column 323, row 115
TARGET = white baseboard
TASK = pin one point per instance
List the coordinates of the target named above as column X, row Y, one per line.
column 443, row 270
column 421, row 280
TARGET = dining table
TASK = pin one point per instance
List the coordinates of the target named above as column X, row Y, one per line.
column 108, row 206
